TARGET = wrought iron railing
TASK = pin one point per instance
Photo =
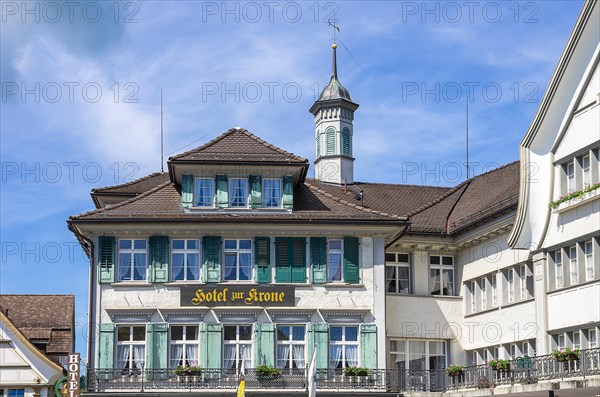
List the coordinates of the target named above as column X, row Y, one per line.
column 523, row 370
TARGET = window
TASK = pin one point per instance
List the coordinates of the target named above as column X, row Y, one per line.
column 185, row 260
column 238, row 192
column 589, row 260
column 131, row 346
column 473, row 296
column 397, row 273
column 290, row 258
column 343, row 347
column 577, row 340
column 132, row 260
column 483, row 295
column 238, row 260
column 346, row 142
column 204, row 192
column 330, row 141
column 558, row 269
column 561, row 341
column 184, row 345
column 573, row 270
column 525, row 349
column 510, row 284
column 592, row 338
column 570, row 172
column 271, row 193
column 335, row 259
column 16, row 393
column 237, row 346
column 318, row 144
column 494, row 290
column 419, row 354
column 523, row 278
column 441, row 273
column 514, row 353
column 290, row 346
column 585, row 171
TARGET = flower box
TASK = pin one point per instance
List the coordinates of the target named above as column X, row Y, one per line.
column 500, row 365
column 566, row 355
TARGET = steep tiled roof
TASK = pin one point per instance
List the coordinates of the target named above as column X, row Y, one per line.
column 239, row 145
column 135, row 187
column 163, row 203
column 389, row 198
column 48, row 317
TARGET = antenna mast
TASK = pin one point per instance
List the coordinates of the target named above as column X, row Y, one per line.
column 161, row 135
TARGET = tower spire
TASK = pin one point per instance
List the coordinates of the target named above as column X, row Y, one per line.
column 334, row 65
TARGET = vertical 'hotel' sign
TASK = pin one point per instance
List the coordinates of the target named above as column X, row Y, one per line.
column 73, row 375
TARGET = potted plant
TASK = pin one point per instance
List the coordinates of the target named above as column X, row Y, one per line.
column 356, row 371
column 188, row 370
column 455, row 370
column 566, row 355
column 499, row 364
column 267, row 371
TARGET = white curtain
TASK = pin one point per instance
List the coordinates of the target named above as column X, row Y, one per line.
column 335, row 356
column 122, row 355
column 124, row 267
column 447, row 282
column 298, row 355
column 191, row 355
column 229, row 357
column 283, row 354
column 245, row 351
column 177, row 267
column 245, row 266
column 193, row 267
column 176, row 355
column 138, row 355
column 352, row 356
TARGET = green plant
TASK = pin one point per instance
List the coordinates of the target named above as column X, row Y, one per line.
column 571, row 196
column 356, row 371
column 455, row 370
column 268, row 371
column 499, row 364
column 566, row 355
column 187, row 370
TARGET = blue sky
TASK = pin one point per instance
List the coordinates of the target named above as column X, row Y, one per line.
column 80, row 105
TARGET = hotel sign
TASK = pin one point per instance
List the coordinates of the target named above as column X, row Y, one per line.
column 237, row 295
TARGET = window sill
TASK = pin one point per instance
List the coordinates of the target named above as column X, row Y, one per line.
column 238, row 209
column 182, row 283
column 131, row 284
column 452, row 297
column 482, row 312
column 341, row 285
column 505, row 305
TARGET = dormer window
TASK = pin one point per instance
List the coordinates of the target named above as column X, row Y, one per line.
column 271, row 193
column 238, row 192
column 204, row 192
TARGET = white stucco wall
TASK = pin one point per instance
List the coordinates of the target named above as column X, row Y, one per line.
column 574, row 306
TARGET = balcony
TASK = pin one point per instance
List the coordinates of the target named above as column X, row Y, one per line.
column 522, row 372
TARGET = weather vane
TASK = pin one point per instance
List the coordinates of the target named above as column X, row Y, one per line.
column 333, row 22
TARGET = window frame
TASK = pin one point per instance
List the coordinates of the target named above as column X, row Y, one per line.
column 427, row 354
column 265, row 189
column 559, row 273
column 588, row 258
column 570, row 182
column 440, row 268
column 184, row 361
column 573, row 265
column 233, row 199
column 132, row 252
column 494, row 289
column 397, row 264
column 290, row 342
column 130, row 361
column 330, row 253
column 238, row 343
column 238, row 251
column 482, row 293
column 185, row 252
column 197, row 196
column 510, row 285
column 344, row 343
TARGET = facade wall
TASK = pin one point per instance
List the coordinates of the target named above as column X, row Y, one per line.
column 565, row 307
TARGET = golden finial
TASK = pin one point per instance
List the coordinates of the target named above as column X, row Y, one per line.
column 334, row 46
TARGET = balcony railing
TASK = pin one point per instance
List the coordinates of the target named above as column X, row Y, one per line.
column 523, row 370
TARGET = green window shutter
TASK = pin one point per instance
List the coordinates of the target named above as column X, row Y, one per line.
column 106, row 345
column 346, row 145
column 288, row 192
column 368, row 345
column 158, row 345
column 222, row 191
column 159, row 259
column 211, row 251
column 318, row 259
column 106, row 262
column 210, row 345
column 283, row 269
column 298, row 260
column 255, row 191
column 351, row 260
column 187, row 191
column 318, row 144
column 318, row 336
column 264, row 340
column 330, row 145
column 262, row 259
